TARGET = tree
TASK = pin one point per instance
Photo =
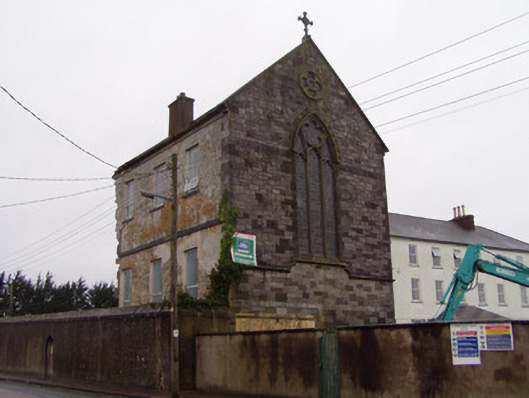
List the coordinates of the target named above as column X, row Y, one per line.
column 102, row 295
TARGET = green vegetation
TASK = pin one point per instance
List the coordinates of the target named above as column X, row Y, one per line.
column 20, row 296
column 226, row 272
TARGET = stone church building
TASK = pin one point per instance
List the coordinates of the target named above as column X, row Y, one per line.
column 303, row 166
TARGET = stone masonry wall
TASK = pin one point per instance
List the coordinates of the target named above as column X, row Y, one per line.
column 324, row 292
column 264, row 117
column 145, row 236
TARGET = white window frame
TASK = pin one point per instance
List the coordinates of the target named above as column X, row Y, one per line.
column 412, row 254
column 129, row 200
column 501, row 294
column 156, row 291
column 415, row 290
column 192, row 163
column 436, row 257
column 458, row 258
column 158, row 185
column 439, row 291
column 126, row 285
column 482, row 297
column 192, row 285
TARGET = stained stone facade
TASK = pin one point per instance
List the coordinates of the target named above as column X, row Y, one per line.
column 304, row 167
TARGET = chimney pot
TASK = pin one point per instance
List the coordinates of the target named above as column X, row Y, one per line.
column 180, row 114
column 462, row 220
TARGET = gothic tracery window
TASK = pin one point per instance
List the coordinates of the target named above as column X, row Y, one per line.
column 315, row 190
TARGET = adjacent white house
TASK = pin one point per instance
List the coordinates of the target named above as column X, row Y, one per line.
column 425, row 254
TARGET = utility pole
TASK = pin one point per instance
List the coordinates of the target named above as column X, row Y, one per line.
column 174, row 368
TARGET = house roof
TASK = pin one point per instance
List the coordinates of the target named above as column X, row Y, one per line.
column 426, row 229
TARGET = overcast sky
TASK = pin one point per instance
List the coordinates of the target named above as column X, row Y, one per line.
column 103, row 72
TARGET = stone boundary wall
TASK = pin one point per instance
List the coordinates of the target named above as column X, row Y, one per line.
column 120, row 346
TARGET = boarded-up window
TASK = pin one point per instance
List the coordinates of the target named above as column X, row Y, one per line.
column 125, row 282
column 315, row 190
column 192, row 272
column 156, row 281
column 129, row 199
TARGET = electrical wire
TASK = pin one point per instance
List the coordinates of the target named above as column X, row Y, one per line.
column 55, row 198
column 443, row 73
column 454, row 111
column 61, row 229
column 439, row 50
column 452, row 102
column 443, row 81
column 55, row 179
column 55, row 130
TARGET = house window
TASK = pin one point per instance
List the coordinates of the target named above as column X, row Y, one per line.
column 501, row 294
column 439, row 291
column 458, row 258
column 129, row 199
column 191, row 175
column 125, row 283
column 156, row 281
column 412, row 254
column 482, row 300
column 158, row 185
column 415, row 290
column 436, row 257
column 523, row 295
column 192, row 272
column 315, row 164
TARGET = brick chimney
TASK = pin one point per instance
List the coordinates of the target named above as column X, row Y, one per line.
column 462, row 220
column 180, row 114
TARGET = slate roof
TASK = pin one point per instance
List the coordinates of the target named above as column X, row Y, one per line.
column 427, row 229
column 471, row 313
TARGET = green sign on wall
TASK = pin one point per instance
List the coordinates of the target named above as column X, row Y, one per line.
column 243, row 249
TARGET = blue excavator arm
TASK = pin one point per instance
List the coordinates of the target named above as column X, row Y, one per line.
column 514, row 272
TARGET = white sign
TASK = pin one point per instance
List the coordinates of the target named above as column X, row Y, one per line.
column 465, row 344
column 496, row 337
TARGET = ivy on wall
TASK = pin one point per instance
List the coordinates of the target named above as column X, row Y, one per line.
column 226, row 272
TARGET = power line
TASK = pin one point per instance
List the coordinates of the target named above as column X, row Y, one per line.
column 439, row 50
column 61, row 229
column 443, row 73
column 55, row 198
column 445, row 81
column 55, row 179
column 55, row 130
column 454, row 111
column 452, row 102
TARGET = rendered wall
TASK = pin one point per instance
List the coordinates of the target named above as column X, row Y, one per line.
column 416, row 361
column 412, row 361
column 283, row 363
column 109, row 347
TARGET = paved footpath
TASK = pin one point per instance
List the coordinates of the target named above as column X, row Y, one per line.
column 22, row 390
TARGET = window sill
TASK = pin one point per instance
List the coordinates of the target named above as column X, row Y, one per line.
column 191, row 191
column 155, row 209
column 483, row 305
column 416, row 301
column 437, row 267
column 414, row 265
column 503, row 305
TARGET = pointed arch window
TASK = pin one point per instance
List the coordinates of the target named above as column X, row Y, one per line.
column 316, row 160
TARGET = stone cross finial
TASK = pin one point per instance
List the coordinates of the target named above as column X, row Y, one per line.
column 305, row 22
